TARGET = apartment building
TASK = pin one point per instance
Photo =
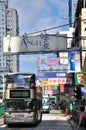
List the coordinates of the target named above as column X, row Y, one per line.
column 12, row 29
column 80, row 28
column 8, row 26
column 3, row 6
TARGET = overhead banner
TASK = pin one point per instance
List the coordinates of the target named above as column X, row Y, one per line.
column 51, row 74
column 59, row 80
column 35, row 44
column 56, row 81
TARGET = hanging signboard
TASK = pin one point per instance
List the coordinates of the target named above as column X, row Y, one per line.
column 51, row 74
column 56, row 81
column 78, row 78
column 35, row 44
column 74, row 61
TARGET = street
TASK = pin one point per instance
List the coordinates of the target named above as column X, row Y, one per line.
column 54, row 120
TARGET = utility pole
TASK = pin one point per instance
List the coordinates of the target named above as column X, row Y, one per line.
column 84, row 3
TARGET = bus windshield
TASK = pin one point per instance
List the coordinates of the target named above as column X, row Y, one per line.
column 20, row 104
column 20, row 80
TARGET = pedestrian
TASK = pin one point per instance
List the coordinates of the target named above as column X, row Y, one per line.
column 81, row 117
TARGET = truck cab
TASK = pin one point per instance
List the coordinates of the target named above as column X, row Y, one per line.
column 45, row 103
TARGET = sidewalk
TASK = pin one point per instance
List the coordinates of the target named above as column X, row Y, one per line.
column 1, row 120
column 73, row 123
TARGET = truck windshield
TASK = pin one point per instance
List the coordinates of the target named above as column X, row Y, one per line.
column 45, row 101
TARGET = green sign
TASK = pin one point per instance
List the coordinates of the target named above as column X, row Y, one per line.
column 19, row 93
column 78, row 78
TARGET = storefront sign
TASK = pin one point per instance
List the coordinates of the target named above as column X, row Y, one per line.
column 59, row 81
column 51, row 74
column 78, row 78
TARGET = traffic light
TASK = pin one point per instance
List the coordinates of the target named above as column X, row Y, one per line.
column 78, row 93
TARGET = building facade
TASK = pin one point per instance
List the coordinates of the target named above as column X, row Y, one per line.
column 80, row 29
column 8, row 26
column 3, row 6
column 12, row 28
column 72, row 10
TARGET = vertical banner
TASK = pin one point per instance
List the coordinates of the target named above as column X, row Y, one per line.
column 61, row 87
column 74, row 61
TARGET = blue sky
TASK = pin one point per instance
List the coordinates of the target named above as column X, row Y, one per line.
column 35, row 15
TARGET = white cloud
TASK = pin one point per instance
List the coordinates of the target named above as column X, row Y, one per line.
column 28, row 58
column 35, row 15
column 38, row 14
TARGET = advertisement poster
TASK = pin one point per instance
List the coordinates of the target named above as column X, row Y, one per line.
column 74, row 61
column 52, row 62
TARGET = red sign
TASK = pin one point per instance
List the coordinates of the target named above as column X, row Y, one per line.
column 59, row 81
column 38, row 90
column 61, row 87
column 49, row 92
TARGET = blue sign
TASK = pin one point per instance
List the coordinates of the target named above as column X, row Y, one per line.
column 83, row 90
column 51, row 75
column 74, row 61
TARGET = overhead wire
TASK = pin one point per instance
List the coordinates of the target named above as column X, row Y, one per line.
column 47, row 29
column 55, row 27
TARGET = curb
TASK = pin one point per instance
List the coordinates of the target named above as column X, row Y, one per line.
column 1, row 116
column 72, row 123
column 1, row 122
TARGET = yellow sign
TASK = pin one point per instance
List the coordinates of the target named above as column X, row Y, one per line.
column 46, row 83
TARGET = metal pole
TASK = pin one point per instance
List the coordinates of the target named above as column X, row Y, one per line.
column 3, row 86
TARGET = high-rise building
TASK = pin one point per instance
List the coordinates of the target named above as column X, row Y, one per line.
column 72, row 10
column 12, row 29
column 3, row 6
column 8, row 26
column 12, row 26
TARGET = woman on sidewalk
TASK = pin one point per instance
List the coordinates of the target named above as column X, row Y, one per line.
column 82, row 116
